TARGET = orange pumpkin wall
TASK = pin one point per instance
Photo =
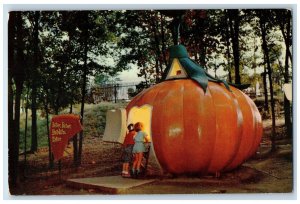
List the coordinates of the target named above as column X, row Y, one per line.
column 197, row 132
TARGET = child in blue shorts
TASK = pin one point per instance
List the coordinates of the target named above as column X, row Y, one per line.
column 139, row 147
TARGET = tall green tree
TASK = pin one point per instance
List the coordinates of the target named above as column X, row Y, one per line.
column 60, row 65
column 16, row 73
column 234, row 25
column 143, row 39
column 283, row 19
column 199, row 34
column 34, row 71
column 92, row 30
column 265, row 28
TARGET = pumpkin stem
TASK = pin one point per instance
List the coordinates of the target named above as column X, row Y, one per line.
column 175, row 23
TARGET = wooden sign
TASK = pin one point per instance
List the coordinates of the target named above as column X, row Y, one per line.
column 63, row 128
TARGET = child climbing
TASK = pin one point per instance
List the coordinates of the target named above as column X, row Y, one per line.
column 127, row 150
column 139, row 148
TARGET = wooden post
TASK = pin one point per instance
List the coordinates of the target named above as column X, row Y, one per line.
column 115, row 92
column 75, row 150
column 25, row 136
column 50, row 156
column 59, row 169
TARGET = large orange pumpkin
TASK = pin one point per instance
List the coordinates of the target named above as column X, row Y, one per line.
column 200, row 131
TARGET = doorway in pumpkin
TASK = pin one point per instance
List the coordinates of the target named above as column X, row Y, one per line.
column 141, row 114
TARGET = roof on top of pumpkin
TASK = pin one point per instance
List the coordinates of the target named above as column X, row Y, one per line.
column 194, row 70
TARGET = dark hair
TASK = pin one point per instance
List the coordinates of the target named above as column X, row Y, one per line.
column 130, row 127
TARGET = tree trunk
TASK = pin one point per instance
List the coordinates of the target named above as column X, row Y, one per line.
column 11, row 64
column 175, row 26
column 234, row 23
column 71, row 108
column 158, row 66
column 34, row 84
column 51, row 160
column 196, row 53
column 202, row 55
column 83, row 90
column 228, row 53
column 75, row 140
column 11, row 135
column 286, row 36
column 50, row 156
column 17, row 73
column 25, row 132
column 16, row 139
column 157, row 71
column 215, row 69
column 75, row 150
column 266, row 104
column 287, row 116
column 266, row 52
column 163, row 40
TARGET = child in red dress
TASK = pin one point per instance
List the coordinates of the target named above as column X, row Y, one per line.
column 127, row 150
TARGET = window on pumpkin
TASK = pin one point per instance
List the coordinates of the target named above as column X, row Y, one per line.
column 176, row 70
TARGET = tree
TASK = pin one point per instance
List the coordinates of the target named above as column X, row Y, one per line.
column 93, row 32
column 11, row 63
column 283, row 19
column 225, row 38
column 234, row 25
column 58, row 69
column 16, row 79
column 199, row 34
column 143, row 39
column 263, row 15
column 264, row 76
column 34, row 71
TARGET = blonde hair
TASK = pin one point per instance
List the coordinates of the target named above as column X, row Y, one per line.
column 139, row 126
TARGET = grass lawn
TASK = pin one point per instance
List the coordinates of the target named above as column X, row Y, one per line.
column 93, row 122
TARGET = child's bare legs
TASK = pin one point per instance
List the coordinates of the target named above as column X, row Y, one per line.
column 134, row 164
column 125, row 170
column 139, row 160
column 125, row 167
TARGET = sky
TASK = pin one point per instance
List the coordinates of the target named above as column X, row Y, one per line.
column 125, row 76
column 130, row 75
